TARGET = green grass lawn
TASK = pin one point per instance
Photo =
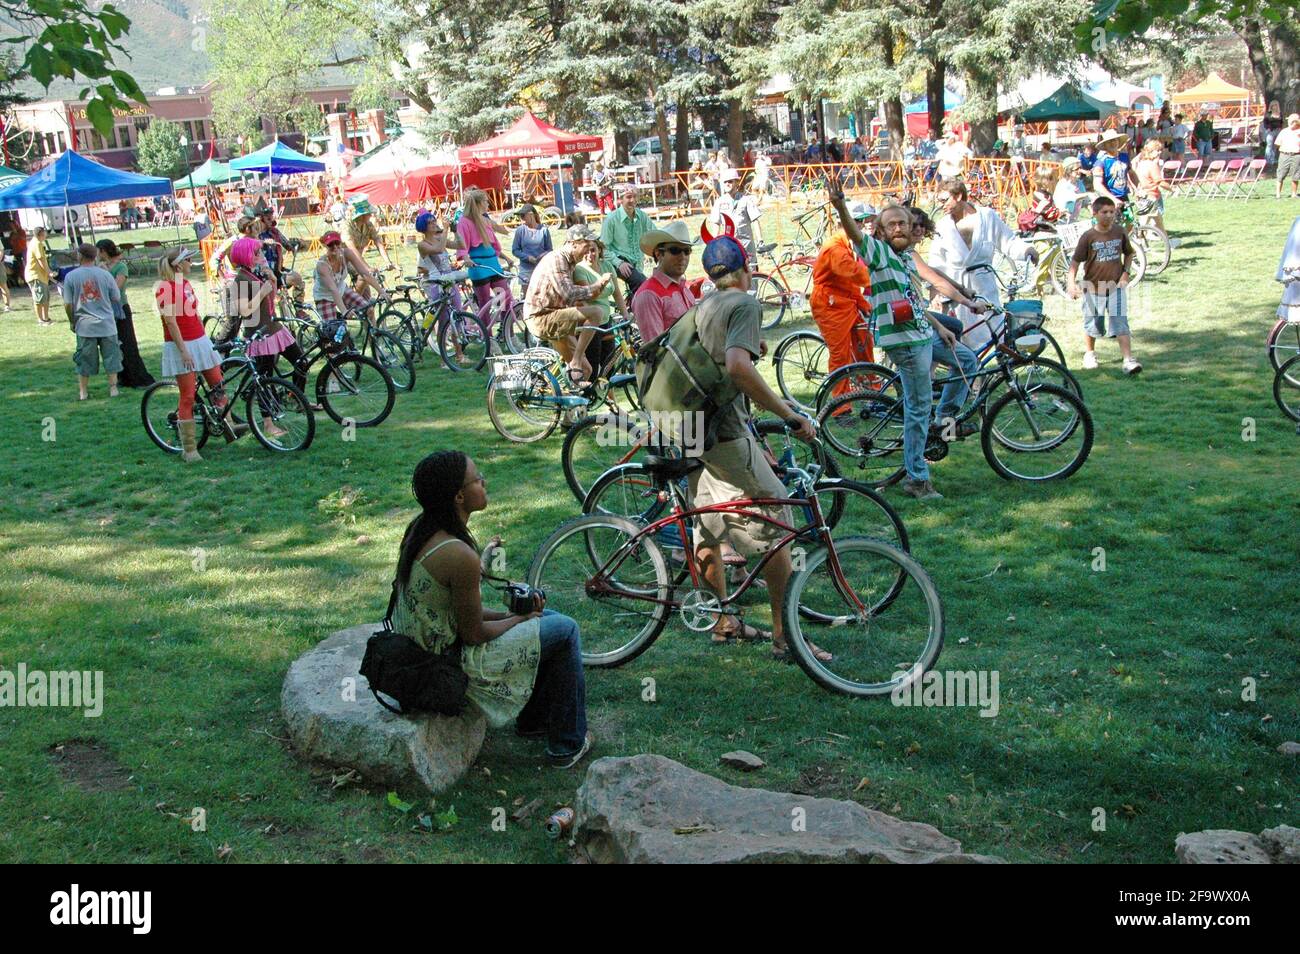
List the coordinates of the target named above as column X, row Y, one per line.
column 1120, row 690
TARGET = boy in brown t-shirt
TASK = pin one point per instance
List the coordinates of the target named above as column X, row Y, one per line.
column 1105, row 253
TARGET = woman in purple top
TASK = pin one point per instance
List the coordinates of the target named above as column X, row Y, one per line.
column 532, row 241
column 478, row 237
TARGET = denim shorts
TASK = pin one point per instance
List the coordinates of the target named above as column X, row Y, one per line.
column 1105, row 309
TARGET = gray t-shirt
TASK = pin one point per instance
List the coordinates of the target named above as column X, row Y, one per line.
column 91, row 291
column 730, row 319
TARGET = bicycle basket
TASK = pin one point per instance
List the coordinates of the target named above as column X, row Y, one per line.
column 334, row 335
column 1023, row 315
column 1071, row 232
column 513, row 372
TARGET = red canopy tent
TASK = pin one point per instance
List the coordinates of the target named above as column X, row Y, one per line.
column 424, row 182
column 532, row 138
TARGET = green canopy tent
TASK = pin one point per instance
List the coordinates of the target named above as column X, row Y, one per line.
column 211, row 172
column 1068, row 102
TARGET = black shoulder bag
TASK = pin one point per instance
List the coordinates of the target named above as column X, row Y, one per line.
column 419, row 680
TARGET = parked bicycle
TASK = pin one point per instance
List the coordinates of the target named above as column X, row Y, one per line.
column 350, row 386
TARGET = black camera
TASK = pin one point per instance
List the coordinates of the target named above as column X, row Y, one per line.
column 521, row 599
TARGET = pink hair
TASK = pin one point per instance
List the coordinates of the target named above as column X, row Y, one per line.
column 244, row 252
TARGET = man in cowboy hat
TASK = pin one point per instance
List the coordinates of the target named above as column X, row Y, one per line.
column 621, row 234
column 362, row 231
column 664, row 296
column 743, row 212
column 1113, row 173
column 838, row 302
column 557, row 305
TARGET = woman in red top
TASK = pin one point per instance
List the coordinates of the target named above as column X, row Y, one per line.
column 186, row 348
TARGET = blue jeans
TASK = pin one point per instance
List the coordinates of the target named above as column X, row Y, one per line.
column 559, row 700
column 1203, row 147
column 914, row 371
column 954, row 392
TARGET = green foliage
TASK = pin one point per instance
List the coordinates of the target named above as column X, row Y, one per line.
column 75, row 41
column 159, row 151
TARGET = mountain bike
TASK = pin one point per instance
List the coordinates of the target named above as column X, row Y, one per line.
column 1031, row 429
column 869, row 603
column 274, row 410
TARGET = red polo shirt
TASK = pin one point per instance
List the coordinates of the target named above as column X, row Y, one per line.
column 659, row 302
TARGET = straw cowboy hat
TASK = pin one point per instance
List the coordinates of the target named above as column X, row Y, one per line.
column 672, row 232
column 1113, row 136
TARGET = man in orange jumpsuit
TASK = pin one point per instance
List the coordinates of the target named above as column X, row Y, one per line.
column 840, row 283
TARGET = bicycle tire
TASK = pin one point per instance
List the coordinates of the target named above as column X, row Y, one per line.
column 991, row 434
column 862, row 376
column 545, row 418
column 1052, row 372
column 288, row 406
column 403, row 328
column 472, row 334
column 393, row 358
column 868, row 441
column 1280, row 348
column 801, row 366
column 591, row 429
column 1155, row 244
column 769, row 294
column 352, row 384
column 566, row 580
column 158, row 415
column 1059, row 270
column 812, row 587
column 514, row 333
column 1286, row 388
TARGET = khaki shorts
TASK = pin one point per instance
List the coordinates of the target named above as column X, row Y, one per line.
column 557, row 324
column 86, row 356
column 734, row 470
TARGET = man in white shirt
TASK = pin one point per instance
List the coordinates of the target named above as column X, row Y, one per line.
column 952, row 156
column 743, row 211
column 1287, row 145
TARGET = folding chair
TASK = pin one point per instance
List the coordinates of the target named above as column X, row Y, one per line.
column 1251, row 177
column 1182, row 184
column 1226, row 182
column 1206, row 183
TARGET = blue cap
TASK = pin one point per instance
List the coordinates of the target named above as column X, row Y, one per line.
column 422, row 222
column 722, row 256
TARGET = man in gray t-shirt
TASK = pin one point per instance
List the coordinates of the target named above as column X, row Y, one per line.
column 91, row 299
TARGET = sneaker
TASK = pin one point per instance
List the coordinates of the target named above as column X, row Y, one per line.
column 920, row 489
column 569, row 761
column 1174, row 242
column 1090, row 360
column 1132, row 366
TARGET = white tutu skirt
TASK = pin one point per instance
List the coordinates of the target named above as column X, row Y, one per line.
column 201, row 351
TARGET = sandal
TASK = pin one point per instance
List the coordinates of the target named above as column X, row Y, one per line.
column 741, row 634
column 577, row 377
column 784, row 655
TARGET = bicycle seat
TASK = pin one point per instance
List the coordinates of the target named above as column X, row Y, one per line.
column 764, row 249
column 671, row 468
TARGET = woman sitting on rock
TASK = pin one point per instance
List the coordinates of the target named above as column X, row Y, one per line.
column 527, row 668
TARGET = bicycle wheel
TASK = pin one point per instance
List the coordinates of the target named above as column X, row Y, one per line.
column 356, row 388
column 463, row 342
column 1053, row 348
column 859, row 376
column 865, row 430
column 1283, row 343
column 771, row 296
column 628, row 491
column 158, row 414
column 854, row 509
column 1286, row 388
column 614, row 585
column 522, row 405
column 1031, row 376
column 402, row 327
column 513, row 334
column 279, row 416
column 393, row 358
column 1040, row 435
column 884, row 618
column 593, row 445
column 801, row 366
column 1059, row 269
column 1139, row 265
column 1155, row 243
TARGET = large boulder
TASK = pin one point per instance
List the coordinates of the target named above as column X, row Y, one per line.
column 650, row 809
column 329, row 723
column 1220, row 846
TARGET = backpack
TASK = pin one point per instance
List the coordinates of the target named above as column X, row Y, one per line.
column 419, row 680
column 676, row 375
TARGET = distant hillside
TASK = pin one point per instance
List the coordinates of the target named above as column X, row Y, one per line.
column 164, row 47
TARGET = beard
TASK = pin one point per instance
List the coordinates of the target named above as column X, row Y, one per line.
column 900, row 243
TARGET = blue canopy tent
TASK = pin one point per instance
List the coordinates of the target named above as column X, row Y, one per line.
column 73, row 180
column 276, row 159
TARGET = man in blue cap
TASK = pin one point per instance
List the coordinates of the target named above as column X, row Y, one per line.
column 728, row 323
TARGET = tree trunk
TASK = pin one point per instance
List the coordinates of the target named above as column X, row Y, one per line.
column 683, row 157
column 984, row 126
column 620, row 146
column 934, row 92
column 1273, row 50
column 665, row 146
column 893, row 104
column 735, row 131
